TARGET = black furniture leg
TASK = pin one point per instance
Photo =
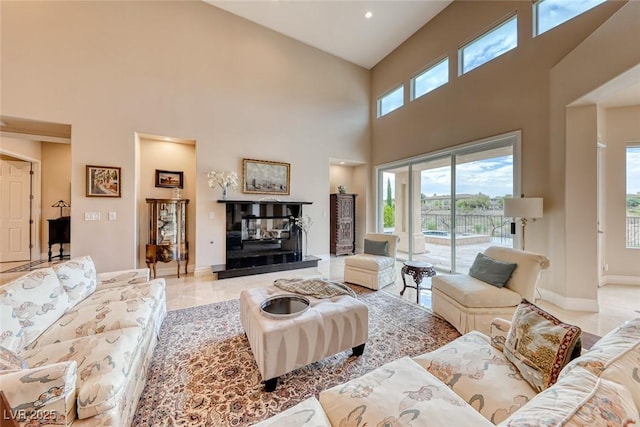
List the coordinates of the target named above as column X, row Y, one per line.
column 358, row 350
column 270, row 385
column 50, row 252
column 404, row 282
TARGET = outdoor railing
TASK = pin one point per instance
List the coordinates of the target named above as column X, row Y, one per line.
column 633, row 231
column 496, row 226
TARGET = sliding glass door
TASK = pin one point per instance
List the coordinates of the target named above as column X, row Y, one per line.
column 447, row 207
column 432, row 212
column 393, row 206
column 483, row 180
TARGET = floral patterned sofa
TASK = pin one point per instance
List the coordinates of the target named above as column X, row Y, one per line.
column 75, row 345
column 471, row 382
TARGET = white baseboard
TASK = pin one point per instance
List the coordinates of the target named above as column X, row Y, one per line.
column 619, row 280
column 574, row 304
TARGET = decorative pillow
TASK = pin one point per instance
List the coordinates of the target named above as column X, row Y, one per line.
column 10, row 361
column 35, row 300
column 78, row 277
column 491, row 271
column 578, row 400
column 374, row 247
column 539, row 344
column 615, row 357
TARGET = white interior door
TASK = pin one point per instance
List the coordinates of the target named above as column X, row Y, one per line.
column 15, row 192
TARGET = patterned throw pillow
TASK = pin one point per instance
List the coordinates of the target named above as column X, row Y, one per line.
column 539, row 344
column 78, row 277
column 10, row 361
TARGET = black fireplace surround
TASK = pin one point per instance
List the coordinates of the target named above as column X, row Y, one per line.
column 262, row 237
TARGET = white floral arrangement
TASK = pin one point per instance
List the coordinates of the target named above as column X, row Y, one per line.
column 224, row 179
column 304, row 222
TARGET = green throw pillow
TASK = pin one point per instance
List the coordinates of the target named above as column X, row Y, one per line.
column 491, row 271
column 375, row 247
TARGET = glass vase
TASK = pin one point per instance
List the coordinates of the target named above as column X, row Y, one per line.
column 306, row 244
column 225, row 192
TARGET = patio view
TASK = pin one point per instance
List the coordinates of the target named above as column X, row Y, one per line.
column 445, row 229
column 426, row 202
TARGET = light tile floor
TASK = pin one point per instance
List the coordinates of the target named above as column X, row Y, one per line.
column 618, row 303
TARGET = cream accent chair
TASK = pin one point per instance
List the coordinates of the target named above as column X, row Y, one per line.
column 471, row 304
column 373, row 271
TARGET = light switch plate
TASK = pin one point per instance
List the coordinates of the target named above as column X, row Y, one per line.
column 113, row 216
column 92, row 216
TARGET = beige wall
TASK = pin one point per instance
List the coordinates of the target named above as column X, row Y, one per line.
column 623, row 128
column 581, row 137
column 604, row 55
column 184, row 69
column 173, row 157
column 26, row 149
column 512, row 92
column 56, row 185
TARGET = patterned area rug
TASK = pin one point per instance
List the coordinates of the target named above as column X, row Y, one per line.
column 203, row 372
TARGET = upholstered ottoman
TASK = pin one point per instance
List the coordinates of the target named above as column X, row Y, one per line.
column 279, row 346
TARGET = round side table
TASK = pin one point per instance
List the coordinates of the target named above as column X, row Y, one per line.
column 418, row 270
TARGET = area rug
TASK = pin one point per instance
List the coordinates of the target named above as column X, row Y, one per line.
column 203, row 372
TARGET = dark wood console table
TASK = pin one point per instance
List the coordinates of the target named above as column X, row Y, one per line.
column 59, row 233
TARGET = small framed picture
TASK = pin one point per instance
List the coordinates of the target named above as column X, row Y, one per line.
column 265, row 177
column 169, row 179
column 103, row 181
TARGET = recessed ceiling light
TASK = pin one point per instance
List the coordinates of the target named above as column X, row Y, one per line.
column 368, row 15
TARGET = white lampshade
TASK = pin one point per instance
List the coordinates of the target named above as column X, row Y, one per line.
column 524, row 207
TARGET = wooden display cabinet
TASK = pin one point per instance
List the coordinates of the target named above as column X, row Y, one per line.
column 342, row 224
column 167, row 233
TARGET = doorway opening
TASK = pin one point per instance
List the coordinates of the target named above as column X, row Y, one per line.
column 36, row 174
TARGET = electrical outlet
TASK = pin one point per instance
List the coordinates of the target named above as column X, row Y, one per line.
column 113, row 216
column 212, row 216
column 92, row 216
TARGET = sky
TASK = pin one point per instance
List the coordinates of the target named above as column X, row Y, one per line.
column 493, row 177
column 552, row 13
column 491, row 45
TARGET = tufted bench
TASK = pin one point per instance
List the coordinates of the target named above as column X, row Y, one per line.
column 279, row 346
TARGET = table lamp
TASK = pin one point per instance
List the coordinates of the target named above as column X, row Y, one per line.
column 525, row 208
column 61, row 204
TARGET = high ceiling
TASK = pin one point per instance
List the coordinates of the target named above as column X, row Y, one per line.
column 340, row 27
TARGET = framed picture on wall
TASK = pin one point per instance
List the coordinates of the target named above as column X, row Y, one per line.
column 103, row 181
column 169, row 179
column 265, row 177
